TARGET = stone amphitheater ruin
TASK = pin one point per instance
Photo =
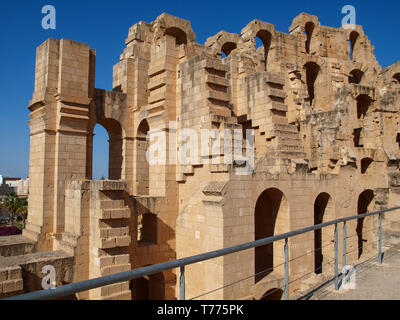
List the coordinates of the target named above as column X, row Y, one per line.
column 325, row 121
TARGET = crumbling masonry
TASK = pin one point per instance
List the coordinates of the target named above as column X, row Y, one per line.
column 325, row 120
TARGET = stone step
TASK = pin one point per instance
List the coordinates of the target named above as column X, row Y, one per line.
column 126, row 295
column 114, row 232
column 284, row 134
column 290, row 148
column 121, row 213
column 289, row 141
column 287, row 155
column 115, row 242
column 113, row 269
column 114, row 289
column 112, row 204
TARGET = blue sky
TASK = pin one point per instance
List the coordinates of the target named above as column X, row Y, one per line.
column 104, row 25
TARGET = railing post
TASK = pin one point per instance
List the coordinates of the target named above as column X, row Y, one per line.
column 182, row 295
column 336, row 259
column 380, row 255
column 286, row 270
column 344, row 244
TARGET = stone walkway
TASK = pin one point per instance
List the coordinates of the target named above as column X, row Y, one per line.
column 374, row 281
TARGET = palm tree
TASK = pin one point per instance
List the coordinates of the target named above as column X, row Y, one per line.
column 10, row 202
column 16, row 205
column 23, row 208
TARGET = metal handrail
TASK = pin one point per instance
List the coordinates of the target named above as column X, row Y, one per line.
column 73, row 288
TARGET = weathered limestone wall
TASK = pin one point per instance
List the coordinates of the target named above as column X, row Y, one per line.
column 325, row 120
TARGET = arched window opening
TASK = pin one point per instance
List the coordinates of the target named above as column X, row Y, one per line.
column 272, row 294
column 363, row 103
column 142, row 165
column 228, row 47
column 148, row 287
column 356, row 76
column 396, row 77
column 309, row 29
column 100, row 153
column 312, row 71
column 353, row 43
column 112, row 151
column 364, row 205
column 323, row 212
column 365, row 165
column 271, row 218
column 266, row 38
column 179, row 35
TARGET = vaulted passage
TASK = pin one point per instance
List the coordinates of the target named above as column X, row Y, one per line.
column 148, row 288
column 364, row 225
column 271, row 218
column 323, row 212
column 142, row 165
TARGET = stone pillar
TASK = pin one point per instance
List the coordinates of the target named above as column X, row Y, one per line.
column 64, row 84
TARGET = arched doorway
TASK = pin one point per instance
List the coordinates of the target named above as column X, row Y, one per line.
column 272, row 294
column 98, row 151
column 364, row 225
column 100, row 154
column 266, row 38
column 142, row 165
column 323, row 238
column 271, row 218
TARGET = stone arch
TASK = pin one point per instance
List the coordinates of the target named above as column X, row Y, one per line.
column 309, row 30
column 266, row 38
column 272, row 294
column 312, row 73
column 364, row 226
column 142, row 165
column 181, row 29
column 271, row 218
column 228, row 47
column 223, row 42
column 356, row 76
column 115, row 134
column 179, row 35
column 324, row 211
column 354, row 41
column 366, row 164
